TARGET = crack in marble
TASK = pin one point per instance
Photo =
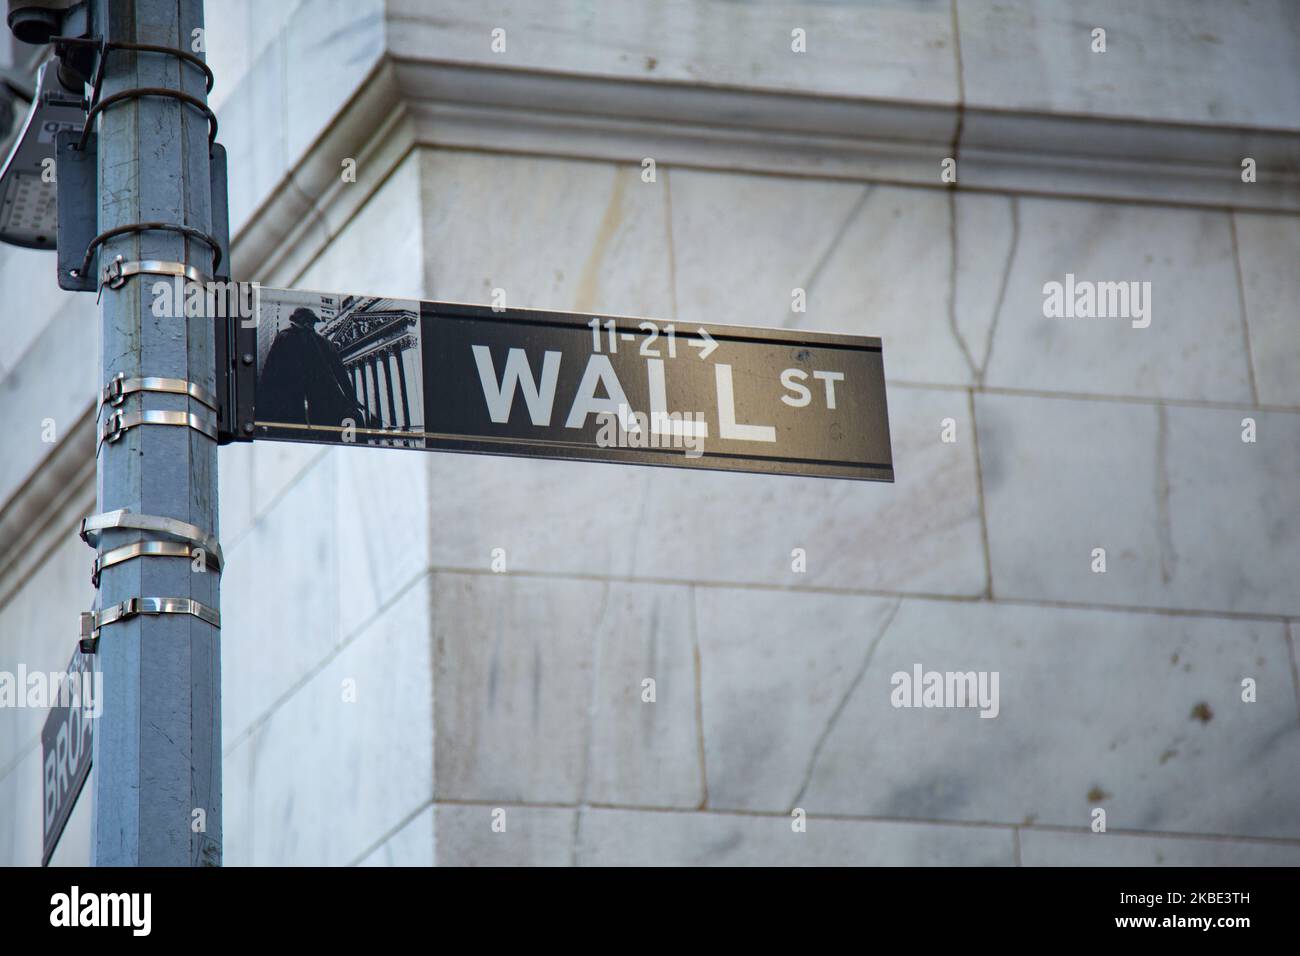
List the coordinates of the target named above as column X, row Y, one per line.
column 844, row 700
column 1014, row 202
column 592, row 706
column 699, row 703
column 585, row 298
column 672, row 241
column 831, row 248
column 952, row 285
column 1164, row 529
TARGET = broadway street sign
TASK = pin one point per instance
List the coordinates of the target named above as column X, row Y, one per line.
column 66, row 742
column 438, row 376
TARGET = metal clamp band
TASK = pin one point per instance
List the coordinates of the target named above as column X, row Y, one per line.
column 135, row 93
column 119, row 423
column 119, row 387
column 105, row 46
column 162, row 549
column 188, row 231
column 115, row 274
column 92, row 621
column 172, row 527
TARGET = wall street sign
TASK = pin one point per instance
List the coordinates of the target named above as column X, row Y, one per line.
column 440, row 376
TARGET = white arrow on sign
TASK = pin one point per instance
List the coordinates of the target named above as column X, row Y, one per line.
column 707, row 346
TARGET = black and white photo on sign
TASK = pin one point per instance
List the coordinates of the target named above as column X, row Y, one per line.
column 340, row 361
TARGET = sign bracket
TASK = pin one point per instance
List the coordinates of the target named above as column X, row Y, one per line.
column 236, row 353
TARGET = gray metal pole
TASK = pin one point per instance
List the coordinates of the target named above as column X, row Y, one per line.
column 158, row 741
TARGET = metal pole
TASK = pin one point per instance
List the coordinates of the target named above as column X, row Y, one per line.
column 158, row 741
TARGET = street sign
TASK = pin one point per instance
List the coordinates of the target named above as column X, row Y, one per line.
column 66, row 745
column 438, row 376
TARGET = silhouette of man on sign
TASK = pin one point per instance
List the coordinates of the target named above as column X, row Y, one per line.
column 304, row 380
